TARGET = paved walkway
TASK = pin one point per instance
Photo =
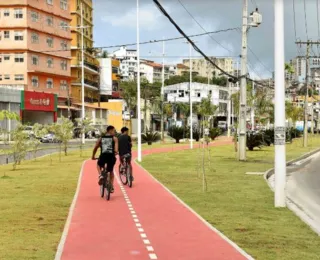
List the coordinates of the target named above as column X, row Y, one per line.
column 145, row 222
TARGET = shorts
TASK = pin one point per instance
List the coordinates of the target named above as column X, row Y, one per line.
column 108, row 159
column 127, row 156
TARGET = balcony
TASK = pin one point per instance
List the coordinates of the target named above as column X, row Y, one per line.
column 88, row 67
column 87, row 84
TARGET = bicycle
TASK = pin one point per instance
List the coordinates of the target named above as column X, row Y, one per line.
column 106, row 185
column 125, row 171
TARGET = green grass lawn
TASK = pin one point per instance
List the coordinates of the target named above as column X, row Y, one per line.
column 239, row 205
column 34, row 203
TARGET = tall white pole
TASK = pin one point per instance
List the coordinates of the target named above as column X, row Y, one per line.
column 138, row 86
column 190, row 97
column 243, row 86
column 162, row 93
column 9, row 122
column 280, row 119
column 82, row 72
column 252, row 109
column 229, row 110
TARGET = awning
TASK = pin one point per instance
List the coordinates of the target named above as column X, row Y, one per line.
column 89, row 105
column 71, row 108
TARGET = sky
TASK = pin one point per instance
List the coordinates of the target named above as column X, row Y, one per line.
column 115, row 24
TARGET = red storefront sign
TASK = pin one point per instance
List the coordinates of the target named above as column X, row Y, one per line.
column 39, row 101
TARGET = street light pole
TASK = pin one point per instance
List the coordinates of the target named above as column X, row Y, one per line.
column 138, row 86
column 229, row 109
column 162, row 92
column 280, row 119
column 243, row 86
column 190, row 97
column 82, row 73
column 252, row 109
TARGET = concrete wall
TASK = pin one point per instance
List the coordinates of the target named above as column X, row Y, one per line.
column 32, row 117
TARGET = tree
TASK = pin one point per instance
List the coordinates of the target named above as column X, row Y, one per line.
column 104, row 54
column 63, row 132
column 20, row 145
column 7, row 115
column 129, row 95
column 39, row 132
column 294, row 113
column 85, row 125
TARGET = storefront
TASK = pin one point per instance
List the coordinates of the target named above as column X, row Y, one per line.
column 38, row 107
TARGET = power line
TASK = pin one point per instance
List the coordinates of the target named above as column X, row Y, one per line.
column 164, row 12
column 150, row 41
column 318, row 23
column 184, row 7
column 294, row 20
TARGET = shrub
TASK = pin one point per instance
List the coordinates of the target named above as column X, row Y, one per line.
column 150, row 137
column 214, row 133
column 254, row 140
column 195, row 133
column 268, row 137
column 176, row 133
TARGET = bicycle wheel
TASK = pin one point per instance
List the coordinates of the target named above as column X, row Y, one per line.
column 129, row 176
column 108, row 187
column 102, row 187
column 123, row 176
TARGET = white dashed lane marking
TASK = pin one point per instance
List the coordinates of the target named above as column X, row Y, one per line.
column 134, row 215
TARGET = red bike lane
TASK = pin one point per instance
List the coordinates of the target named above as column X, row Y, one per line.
column 145, row 222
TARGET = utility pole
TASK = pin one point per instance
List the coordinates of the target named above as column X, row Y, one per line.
column 309, row 43
column 280, row 118
column 229, row 109
column 162, row 92
column 82, row 74
column 190, row 97
column 243, row 86
column 255, row 21
column 252, row 109
column 138, row 86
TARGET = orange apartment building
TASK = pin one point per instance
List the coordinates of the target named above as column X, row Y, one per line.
column 35, row 56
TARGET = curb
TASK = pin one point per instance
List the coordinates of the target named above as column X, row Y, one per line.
column 290, row 203
column 270, row 172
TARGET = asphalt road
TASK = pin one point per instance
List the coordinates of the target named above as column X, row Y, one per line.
column 303, row 187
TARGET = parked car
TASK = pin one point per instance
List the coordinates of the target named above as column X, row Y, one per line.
column 49, row 138
column 29, row 131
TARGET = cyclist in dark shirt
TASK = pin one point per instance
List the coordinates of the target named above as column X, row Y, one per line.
column 125, row 145
column 109, row 148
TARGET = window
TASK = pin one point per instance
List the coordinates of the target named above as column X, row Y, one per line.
column 19, row 58
column 35, row 81
column 6, row 57
column 18, row 35
column 50, row 42
column 64, row 4
column 50, row 63
column 50, row 2
column 49, row 20
column 7, row 77
column 6, row 34
column 35, row 60
column 49, row 83
column 63, row 85
column 64, row 65
column 0, row 77
column 64, row 25
column 64, row 45
column 6, row 13
column 34, row 38
column 34, row 16
column 18, row 13
column 181, row 93
column 18, row 77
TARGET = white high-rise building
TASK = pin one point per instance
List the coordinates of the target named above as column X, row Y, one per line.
column 128, row 62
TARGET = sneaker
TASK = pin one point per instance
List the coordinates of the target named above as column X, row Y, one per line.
column 101, row 179
column 112, row 190
column 132, row 179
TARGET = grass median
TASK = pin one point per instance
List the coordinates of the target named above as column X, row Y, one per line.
column 239, row 205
